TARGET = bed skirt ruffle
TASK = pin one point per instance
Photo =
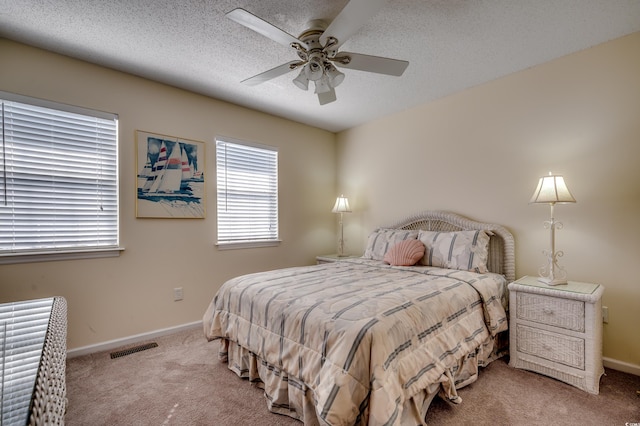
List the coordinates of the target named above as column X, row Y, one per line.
column 291, row 397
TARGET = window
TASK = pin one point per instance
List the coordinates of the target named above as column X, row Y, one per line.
column 247, row 178
column 58, row 181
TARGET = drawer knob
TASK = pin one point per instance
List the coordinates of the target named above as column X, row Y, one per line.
column 547, row 311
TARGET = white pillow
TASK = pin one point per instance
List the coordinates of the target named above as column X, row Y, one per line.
column 381, row 240
column 464, row 250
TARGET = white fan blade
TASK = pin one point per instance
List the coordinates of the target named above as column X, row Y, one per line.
column 269, row 75
column 375, row 64
column 327, row 97
column 354, row 15
column 261, row 26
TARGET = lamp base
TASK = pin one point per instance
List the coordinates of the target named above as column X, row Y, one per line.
column 552, row 281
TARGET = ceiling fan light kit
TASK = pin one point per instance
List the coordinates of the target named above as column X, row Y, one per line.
column 316, row 64
column 318, row 49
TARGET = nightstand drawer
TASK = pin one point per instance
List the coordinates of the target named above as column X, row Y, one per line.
column 564, row 313
column 554, row 347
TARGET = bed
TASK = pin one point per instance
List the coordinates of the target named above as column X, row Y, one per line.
column 372, row 340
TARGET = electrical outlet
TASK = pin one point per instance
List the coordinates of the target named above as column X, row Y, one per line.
column 177, row 294
column 605, row 314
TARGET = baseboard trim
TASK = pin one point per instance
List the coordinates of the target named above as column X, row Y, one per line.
column 625, row 367
column 112, row 344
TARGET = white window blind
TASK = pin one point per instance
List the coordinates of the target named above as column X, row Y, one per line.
column 247, row 182
column 58, row 178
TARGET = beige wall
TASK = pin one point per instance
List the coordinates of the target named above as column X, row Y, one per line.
column 119, row 297
column 480, row 153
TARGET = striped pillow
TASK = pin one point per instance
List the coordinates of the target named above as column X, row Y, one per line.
column 464, row 250
column 381, row 240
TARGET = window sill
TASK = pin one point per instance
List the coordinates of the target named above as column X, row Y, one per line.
column 48, row 256
column 247, row 244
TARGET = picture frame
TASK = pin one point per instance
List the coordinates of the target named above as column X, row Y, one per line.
column 170, row 179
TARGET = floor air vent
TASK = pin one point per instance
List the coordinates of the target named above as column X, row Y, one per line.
column 118, row 354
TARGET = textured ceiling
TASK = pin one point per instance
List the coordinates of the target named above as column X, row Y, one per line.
column 451, row 45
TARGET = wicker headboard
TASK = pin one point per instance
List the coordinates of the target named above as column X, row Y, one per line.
column 501, row 245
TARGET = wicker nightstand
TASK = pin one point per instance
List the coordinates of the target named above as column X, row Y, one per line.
column 557, row 331
column 329, row 258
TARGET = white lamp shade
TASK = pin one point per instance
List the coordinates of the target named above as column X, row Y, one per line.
column 342, row 205
column 322, row 86
column 552, row 189
column 335, row 77
column 301, row 80
column 315, row 70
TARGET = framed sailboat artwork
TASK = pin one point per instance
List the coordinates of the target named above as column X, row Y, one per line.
column 170, row 177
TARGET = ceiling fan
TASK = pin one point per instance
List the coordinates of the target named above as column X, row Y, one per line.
column 318, row 49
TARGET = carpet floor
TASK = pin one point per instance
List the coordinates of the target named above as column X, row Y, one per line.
column 181, row 382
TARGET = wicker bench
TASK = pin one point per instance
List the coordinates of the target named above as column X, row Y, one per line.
column 34, row 347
